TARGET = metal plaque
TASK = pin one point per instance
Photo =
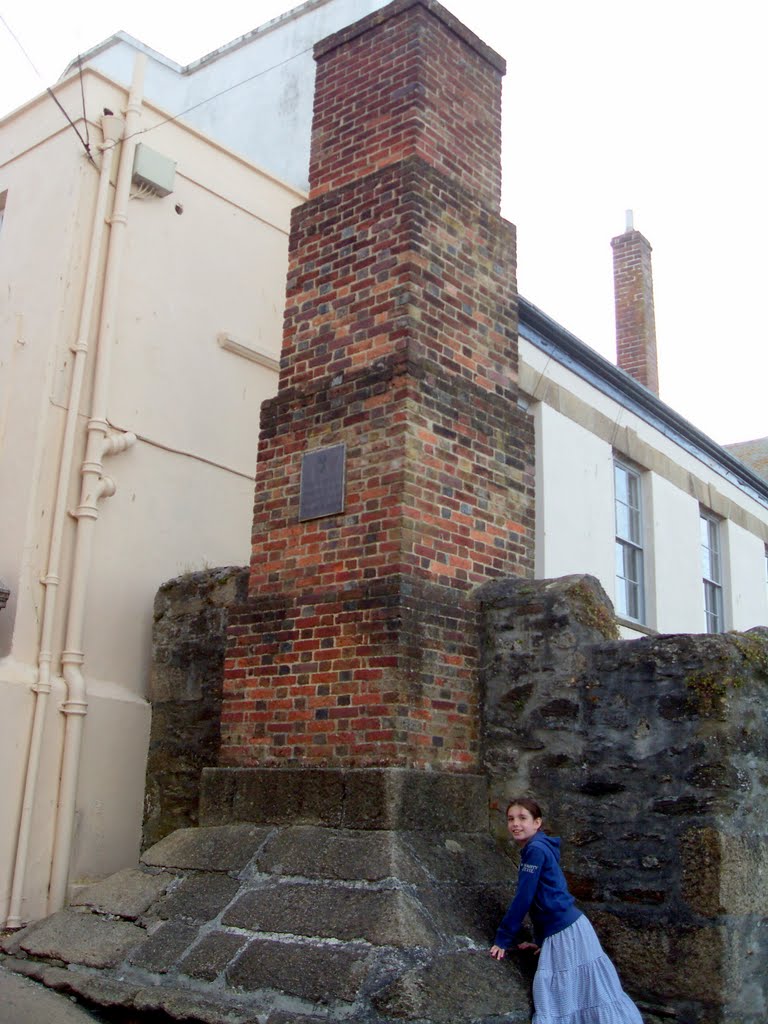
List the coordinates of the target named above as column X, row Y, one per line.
column 322, row 482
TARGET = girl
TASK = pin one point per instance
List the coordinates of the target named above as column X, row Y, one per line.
column 575, row 980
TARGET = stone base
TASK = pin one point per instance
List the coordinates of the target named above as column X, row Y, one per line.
column 362, row 798
column 315, row 895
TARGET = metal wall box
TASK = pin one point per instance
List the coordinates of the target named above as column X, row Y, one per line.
column 153, row 171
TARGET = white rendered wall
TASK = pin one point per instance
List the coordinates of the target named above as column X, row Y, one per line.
column 573, row 517
column 269, row 75
column 676, row 558
column 575, row 510
column 746, row 593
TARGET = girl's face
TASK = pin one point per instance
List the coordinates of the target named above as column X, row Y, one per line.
column 521, row 824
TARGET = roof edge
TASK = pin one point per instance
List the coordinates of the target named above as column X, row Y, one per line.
column 114, row 39
column 547, row 335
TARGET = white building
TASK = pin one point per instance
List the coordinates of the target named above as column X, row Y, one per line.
column 153, row 325
column 631, row 492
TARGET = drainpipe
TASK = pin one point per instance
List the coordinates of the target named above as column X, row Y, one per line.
column 112, row 132
column 95, row 486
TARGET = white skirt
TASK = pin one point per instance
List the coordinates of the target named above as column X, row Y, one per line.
column 576, row 983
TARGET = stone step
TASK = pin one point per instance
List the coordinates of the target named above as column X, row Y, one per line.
column 260, row 921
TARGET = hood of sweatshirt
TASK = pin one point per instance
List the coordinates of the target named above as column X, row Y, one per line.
column 552, row 843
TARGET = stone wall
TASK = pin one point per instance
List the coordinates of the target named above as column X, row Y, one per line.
column 188, row 641
column 650, row 758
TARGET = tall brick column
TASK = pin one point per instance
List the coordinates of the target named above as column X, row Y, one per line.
column 358, row 643
column 635, row 313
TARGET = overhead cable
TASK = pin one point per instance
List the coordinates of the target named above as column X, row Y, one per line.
column 84, row 142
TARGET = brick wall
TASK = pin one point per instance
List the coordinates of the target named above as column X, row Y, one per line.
column 357, row 644
column 432, row 84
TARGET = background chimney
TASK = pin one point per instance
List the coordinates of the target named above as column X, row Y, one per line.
column 635, row 318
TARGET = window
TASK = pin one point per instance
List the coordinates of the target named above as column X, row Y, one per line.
column 630, row 597
column 712, row 572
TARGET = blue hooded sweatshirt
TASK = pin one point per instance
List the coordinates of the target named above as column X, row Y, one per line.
column 542, row 892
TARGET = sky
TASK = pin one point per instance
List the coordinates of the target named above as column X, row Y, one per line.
column 658, row 106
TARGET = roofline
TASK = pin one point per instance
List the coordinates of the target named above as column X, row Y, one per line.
column 113, row 40
column 260, row 30
column 550, row 337
column 166, row 118
column 199, row 62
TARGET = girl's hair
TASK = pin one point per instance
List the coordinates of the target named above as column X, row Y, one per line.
column 528, row 803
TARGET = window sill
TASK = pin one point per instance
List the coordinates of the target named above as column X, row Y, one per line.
column 637, row 626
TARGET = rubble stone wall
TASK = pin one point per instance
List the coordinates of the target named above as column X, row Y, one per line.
column 185, row 684
column 650, row 758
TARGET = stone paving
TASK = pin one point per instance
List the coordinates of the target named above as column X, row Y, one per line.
column 23, row 1001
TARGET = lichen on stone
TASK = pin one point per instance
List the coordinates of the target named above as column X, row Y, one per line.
column 753, row 647
column 590, row 611
column 739, row 656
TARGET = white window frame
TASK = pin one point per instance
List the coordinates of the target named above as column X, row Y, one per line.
column 711, row 541
column 629, row 542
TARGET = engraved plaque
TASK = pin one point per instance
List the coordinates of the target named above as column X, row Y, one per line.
column 322, row 482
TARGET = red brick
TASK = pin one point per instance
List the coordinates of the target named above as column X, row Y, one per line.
column 400, row 341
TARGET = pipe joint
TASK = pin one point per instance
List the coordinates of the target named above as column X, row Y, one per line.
column 74, row 707
column 81, row 345
column 114, row 442
column 85, row 512
column 72, row 670
column 106, row 488
column 42, row 684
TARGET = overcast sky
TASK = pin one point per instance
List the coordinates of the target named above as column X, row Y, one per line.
column 658, row 106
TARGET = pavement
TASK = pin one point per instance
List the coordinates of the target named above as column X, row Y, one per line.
column 23, row 1001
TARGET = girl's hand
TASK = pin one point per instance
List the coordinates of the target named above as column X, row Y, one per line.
column 529, row 945
column 497, row 952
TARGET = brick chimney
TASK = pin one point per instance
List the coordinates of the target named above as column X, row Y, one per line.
column 395, row 469
column 635, row 318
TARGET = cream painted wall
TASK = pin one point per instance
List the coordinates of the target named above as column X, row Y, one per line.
column 16, row 709
column 184, row 490
column 34, row 315
column 195, row 516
